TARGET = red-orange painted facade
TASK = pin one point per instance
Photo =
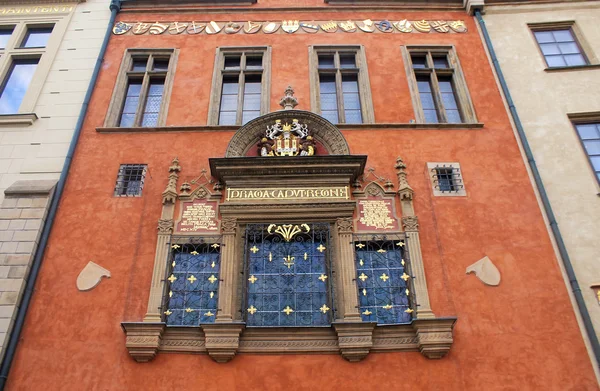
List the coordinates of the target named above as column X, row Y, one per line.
column 521, row 335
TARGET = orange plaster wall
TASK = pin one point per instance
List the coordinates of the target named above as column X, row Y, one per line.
column 519, row 335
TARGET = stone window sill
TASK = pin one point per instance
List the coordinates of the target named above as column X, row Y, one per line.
column 433, row 337
column 10, row 120
column 573, row 68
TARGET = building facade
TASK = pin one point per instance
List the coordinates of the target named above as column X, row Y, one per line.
column 307, row 196
column 555, row 47
column 48, row 51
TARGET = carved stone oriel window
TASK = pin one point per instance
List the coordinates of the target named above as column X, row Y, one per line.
column 437, row 86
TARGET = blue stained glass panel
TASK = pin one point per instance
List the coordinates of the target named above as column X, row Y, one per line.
column 193, row 284
column 383, row 281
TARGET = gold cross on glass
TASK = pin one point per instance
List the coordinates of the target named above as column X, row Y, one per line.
column 322, row 277
column 363, row 277
column 289, row 261
column 194, row 252
column 360, row 245
column 367, row 312
column 324, row 309
column 252, row 279
column 405, row 277
column 321, row 248
column 252, row 310
column 387, row 307
column 254, row 249
column 172, row 279
column 191, row 279
column 287, row 310
column 384, row 277
column 209, row 314
column 212, row 279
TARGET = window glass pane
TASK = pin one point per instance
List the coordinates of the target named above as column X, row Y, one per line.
column 251, row 102
column 556, row 61
column 544, row 36
column 431, row 116
column 592, row 147
column 353, row 116
column 419, row 62
column 453, row 116
column 331, row 116
column 160, row 65
column 326, row 61
column 595, row 162
column 139, row 65
column 423, row 84
column 350, row 83
column 253, row 84
column 588, row 131
column 232, row 62
column 36, row 37
column 131, row 104
column 153, row 101
column 427, row 101
column 16, row 84
column 5, row 34
column 440, row 62
column 347, row 61
column 574, row 59
column 254, row 62
column 568, row 48
column 563, row 35
column 449, row 101
column 227, row 117
column 230, row 87
column 249, row 115
column 351, row 101
column 327, row 85
column 328, row 102
column 229, row 102
column 549, row 49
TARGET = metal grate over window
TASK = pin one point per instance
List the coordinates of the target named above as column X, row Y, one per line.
column 447, row 179
column 384, row 280
column 193, row 281
column 130, row 180
column 288, row 274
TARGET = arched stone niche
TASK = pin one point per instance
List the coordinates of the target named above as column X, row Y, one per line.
column 323, row 131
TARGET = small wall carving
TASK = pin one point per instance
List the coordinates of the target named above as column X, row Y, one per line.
column 90, row 276
column 486, row 271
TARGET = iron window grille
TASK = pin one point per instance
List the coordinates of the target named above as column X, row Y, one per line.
column 447, row 179
column 288, row 275
column 384, row 279
column 192, row 281
column 130, row 180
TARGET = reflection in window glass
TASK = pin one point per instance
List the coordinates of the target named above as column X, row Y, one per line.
column 590, row 136
column 328, row 98
column 131, row 104
column 229, row 101
column 37, row 37
column 252, row 90
column 560, row 48
column 153, row 101
column 427, row 101
column 5, row 34
column 16, row 84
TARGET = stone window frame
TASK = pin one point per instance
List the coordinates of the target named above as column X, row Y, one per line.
column 463, row 98
column 431, row 166
column 115, row 107
column 25, row 115
column 364, row 84
column 120, row 180
column 585, row 48
column 217, row 81
column 582, row 119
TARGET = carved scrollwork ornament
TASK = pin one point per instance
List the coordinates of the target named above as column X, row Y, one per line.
column 410, row 223
column 344, row 225
column 228, row 225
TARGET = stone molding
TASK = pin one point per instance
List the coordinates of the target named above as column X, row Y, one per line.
column 352, row 340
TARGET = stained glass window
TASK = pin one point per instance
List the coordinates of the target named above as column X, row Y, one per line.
column 193, row 282
column 383, row 280
column 288, row 275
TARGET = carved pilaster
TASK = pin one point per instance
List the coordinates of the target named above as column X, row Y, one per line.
column 410, row 223
column 143, row 339
column 165, row 226
column 228, row 270
column 165, row 229
column 344, row 227
column 418, row 271
column 355, row 339
column 434, row 336
column 222, row 340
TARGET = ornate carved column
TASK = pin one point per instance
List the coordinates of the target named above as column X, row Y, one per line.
column 347, row 269
column 228, row 266
column 410, row 224
column 165, row 229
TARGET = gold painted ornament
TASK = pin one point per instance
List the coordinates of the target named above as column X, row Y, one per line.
column 194, row 252
column 363, row 277
column 270, row 27
column 287, row 310
column 367, row 312
column 290, row 26
column 329, row 27
column 172, row 279
column 324, row 309
column 212, row 279
column 252, row 279
column 254, row 249
column 213, row 28
column 196, row 28
column 321, row 248
column 252, row 310
column 387, row 307
column 252, row 27
column 192, row 279
column 348, row 26
column 323, row 277
column 175, row 246
column 384, row 277
column 167, row 312
column 458, row 26
column 422, row 26
column 360, row 245
column 209, row 314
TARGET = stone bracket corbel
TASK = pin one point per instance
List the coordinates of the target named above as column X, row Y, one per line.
column 434, row 336
column 143, row 339
column 222, row 340
column 355, row 339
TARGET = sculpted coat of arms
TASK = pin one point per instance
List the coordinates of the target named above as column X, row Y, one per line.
column 287, row 140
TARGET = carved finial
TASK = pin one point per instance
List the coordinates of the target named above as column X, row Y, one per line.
column 185, row 188
column 404, row 189
column 288, row 102
column 170, row 193
column 175, row 167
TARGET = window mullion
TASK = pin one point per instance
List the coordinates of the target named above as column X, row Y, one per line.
column 240, row 100
column 437, row 96
column 139, row 114
column 340, row 97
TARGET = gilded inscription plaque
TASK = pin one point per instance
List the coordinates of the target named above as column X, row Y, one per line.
column 376, row 214
column 198, row 216
column 335, row 192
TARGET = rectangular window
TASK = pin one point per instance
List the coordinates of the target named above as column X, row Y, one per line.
column 130, row 180
column 383, row 279
column 341, row 92
column 16, row 84
column 559, row 47
column 241, row 78
column 5, row 34
column 589, row 133
column 437, row 85
column 193, row 282
column 446, row 179
column 143, row 89
column 36, row 37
